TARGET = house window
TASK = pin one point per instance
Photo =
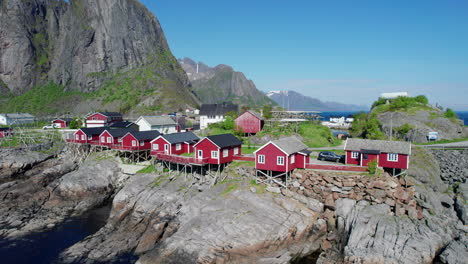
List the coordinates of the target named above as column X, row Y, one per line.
column 280, row 160
column 261, row 159
column 82, row 137
column 95, row 118
column 134, row 143
column 293, row 159
column 225, row 153
column 142, row 143
column 200, row 154
column 166, row 147
column 214, row 154
column 103, row 139
column 119, row 140
column 354, row 154
column 109, row 140
column 77, row 137
column 178, row 147
column 236, row 151
column 155, row 147
column 392, row 157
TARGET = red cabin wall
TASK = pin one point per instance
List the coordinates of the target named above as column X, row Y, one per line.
column 370, row 157
column 127, row 140
column 62, row 123
column 350, row 160
column 402, row 162
column 97, row 116
column 249, row 123
column 230, row 156
column 271, row 153
column 115, row 140
column 207, row 146
column 80, row 134
column 301, row 161
column 2, row 134
column 160, row 142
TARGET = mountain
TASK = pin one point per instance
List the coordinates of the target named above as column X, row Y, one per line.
column 222, row 84
column 297, row 102
column 84, row 46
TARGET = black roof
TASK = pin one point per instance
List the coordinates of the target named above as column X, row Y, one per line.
column 120, row 132
column 92, row 131
column 146, row 135
column 121, row 124
column 110, row 114
column 5, row 128
column 306, row 152
column 225, row 140
column 370, row 151
column 218, row 109
column 66, row 119
column 181, row 137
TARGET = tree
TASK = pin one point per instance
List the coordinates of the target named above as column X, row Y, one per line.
column 422, row 99
column 267, row 111
column 449, row 113
column 366, row 126
column 75, row 123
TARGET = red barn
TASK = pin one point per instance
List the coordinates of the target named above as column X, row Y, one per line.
column 174, row 144
column 103, row 119
column 5, row 132
column 88, row 135
column 250, row 122
column 113, row 136
column 283, row 155
column 218, row 149
column 62, row 122
column 388, row 154
column 138, row 140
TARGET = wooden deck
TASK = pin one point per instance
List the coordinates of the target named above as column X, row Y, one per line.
column 336, row 167
column 180, row 159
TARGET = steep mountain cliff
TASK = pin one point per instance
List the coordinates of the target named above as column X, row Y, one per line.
column 84, row 45
column 295, row 101
column 222, row 84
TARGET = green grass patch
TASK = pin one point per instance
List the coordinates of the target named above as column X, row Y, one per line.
column 248, row 150
column 261, row 188
column 230, row 188
column 188, row 155
column 238, row 163
column 443, row 141
column 148, row 169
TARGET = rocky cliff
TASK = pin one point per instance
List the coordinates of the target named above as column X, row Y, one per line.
column 83, row 45
column 222, row 84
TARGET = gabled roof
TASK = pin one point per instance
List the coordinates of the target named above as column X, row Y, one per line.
column 257, row 115
column 5, row 128
column 19, row 115
column 158, row 120
column 181, row 137
column 92, row 131
column 145, row 135
column 110, row 114
column 122, row 124
column 223, row 141
column 119, row 132
column 218, row 109
column 289, row 145
column 386, row 146
column 66, row 119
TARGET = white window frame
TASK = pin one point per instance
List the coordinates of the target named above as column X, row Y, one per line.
column 109, row 140
column 103, row 139
column 261, row 159
column 77, row 137
column 142, row 143
column 225, row 153
column 280, row 160
column 354, row 154
column 134, row 143
column 293, row 159
column 155, row 146
column 393, row 157
column 82, row 137
column 178, row 146
column 236, row 151
column 214, row 154
column 200, row 154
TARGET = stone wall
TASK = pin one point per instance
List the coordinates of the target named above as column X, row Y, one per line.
column 453, row 165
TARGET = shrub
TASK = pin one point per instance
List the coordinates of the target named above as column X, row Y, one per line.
column 366, row 126
column 449, row 113
column 372, row 166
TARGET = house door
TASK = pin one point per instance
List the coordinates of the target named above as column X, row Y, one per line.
column 166, row 148
column 200, row 154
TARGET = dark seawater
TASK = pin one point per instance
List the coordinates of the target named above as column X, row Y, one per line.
column 45, row 247
column 463, row 115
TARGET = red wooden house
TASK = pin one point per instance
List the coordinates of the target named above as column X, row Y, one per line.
column 388, row 154
column 137, row 140
column 87, row 135
column 5, row 132
column 283, row 155
column 62, row 122
column 174, row 144
column 113, row 136
column 103, row 119
column 218, row 149
column 250, row 122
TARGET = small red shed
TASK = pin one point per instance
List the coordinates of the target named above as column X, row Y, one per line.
column 88, row 135
column 5, row 132
column 388, row 154
column 103, row 119
column 250, row 122
column 113, row 136
column 62, row 122
column 282, row 155
column 174, row 144
column 218, row 149
column 137, row 140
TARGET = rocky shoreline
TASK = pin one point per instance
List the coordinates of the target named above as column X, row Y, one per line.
column 169, row 218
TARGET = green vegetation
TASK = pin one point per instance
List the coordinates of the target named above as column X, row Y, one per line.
column 267, row 111
column 404, row 129
column 248, row 150
column 76, row 123
column 372, row 166
column 260, row 188
column 401, row 104
column 443, row 141
column 148, row 169
column 236, row 163
column 188, row 154
column 449, row 113
column 366, row 126
column 231, row 187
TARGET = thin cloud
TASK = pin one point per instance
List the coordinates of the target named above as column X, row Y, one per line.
column 312, row 82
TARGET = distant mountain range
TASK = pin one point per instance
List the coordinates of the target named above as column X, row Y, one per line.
column 222, row 84
column 295, row 101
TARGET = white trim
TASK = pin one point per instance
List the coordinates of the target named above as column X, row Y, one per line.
column 206, row 139
column 154, row 146
column 353, row 156
column 225, row 153
column 274, row 145
column 199, row 153
column 392, row 160
column 259, row 159
column 134, row 143
column 178, row 146
column 293, row 159
column 109, row 140
column 278, row 158
column 103, row 139
column 167, row 149
column 236, row 151
column 216, row 152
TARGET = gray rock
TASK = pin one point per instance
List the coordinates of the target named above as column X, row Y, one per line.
column 273, row 189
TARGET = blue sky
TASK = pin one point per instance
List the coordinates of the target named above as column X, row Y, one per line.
column 345, row 51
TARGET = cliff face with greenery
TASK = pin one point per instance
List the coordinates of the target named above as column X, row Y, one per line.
column 223, row 84
column 111, row 53
column 407, row 118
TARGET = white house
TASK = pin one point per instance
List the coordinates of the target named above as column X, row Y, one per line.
column 164, row 124
column 16, row 119
column 337, row 119
column 215, row 113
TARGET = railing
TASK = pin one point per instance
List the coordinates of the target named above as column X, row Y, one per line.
column 121, row 147
column 181, row 159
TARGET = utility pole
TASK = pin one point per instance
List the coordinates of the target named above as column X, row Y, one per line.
column 391, row 126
